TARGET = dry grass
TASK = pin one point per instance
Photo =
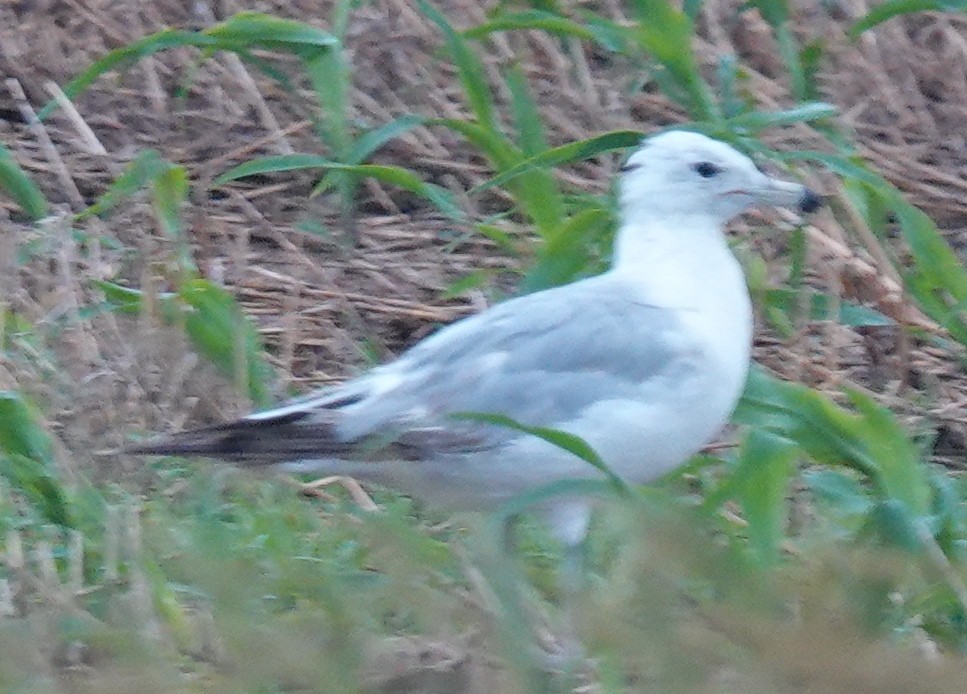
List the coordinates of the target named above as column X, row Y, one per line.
column 318, row 299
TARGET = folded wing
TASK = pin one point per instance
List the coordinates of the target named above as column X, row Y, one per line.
column 540, row 360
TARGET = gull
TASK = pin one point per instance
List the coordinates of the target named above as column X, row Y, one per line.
column 644, row 362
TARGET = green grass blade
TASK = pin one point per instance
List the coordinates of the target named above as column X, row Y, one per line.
column 470, row 69
column 240, row 33
column 407, row 180
column 536, row 191
column 169, row 193
column 27, row 458
column 572, row 151
column 531, row 20
column 143, row 170
column 936, row 279
column 765, row 466
column 531, row 138
column 365, row 145
column 562, row 439
column 756, row 121
column 777, row 15
column 131, row 301
column 126, row 56
column 19, row 186
column 493, row 144
column 889, row 9
column 840, row 493
column 274, row 164
column 395, row 175
column 222, row 333
column 871, row 442
column 370, row 141
column 820, row 307
column 565, row 254
column 20, row 430
column 35, row 481
column 331, row 78
column 898, row 459
column 666, row 34
column 253, row 29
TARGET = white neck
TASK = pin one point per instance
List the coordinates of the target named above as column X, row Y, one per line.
column 680, row 260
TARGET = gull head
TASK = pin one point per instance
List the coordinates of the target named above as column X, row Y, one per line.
column 680, row 173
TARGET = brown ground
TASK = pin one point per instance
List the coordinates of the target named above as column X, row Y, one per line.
column 317, row 298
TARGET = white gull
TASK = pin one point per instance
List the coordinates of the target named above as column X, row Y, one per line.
column 644, row 362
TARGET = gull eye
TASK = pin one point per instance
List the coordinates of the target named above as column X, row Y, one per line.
column 706, row 169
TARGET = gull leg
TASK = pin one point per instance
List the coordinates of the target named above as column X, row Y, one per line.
column 568, row 520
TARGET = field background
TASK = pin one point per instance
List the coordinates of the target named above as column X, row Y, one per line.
column 160, row 580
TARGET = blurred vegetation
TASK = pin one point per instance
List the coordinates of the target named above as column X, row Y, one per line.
column 711, row 581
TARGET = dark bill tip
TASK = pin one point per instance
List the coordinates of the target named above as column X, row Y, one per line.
column 810, row 201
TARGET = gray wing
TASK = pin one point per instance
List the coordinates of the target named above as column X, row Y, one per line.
column 539, row 359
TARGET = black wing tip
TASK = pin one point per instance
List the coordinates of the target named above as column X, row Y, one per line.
column 246, row 441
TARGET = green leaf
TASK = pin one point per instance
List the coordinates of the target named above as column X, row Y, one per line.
column 222, row 333
column 727, row 73
column 765, row 466
column 821, row 308
column 562, row 439
column 20, row 430
column 470, row 69
column 901, row 474
column 572, row 151
column 566, row 253
column 841, row 492
column 240, row 33
column 531, row 20
column 938, row 279
column 142, row 171
column 536, row 191
column 170, row 191
column 666, row 34
column 367, row 143
column 34, row 480
column 331, row 78
column 466, row 283
column 394, row 175
column 811, row 59
column 124, row 57
column 20, row 187
column 27, row 458
column 848, row 167
column 891, row 522
column 402, row 178
column 131, row 301
column 757, row 121
column 492, row 143
column 506, row 242
column 252, row 29
column 870, row 441
column 274, row 164
column 894, row 8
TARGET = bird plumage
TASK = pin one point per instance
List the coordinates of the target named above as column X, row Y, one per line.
column 644, row 362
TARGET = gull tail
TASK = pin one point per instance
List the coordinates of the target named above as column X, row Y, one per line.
column 253, row 442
